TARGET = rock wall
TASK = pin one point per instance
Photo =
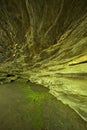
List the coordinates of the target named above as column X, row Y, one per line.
column 45, row 41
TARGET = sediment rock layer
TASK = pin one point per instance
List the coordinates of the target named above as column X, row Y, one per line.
column 45, row 41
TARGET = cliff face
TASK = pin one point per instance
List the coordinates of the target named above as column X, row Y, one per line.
column 45, row 41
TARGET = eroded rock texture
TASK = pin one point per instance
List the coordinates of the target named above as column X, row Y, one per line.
column 45, row 41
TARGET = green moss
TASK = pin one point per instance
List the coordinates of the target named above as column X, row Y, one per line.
column 30, row 107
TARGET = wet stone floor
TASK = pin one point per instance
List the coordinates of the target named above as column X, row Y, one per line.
column 26, row 106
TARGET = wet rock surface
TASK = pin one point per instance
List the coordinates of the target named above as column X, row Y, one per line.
column 26, row 106
column 45, row 42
